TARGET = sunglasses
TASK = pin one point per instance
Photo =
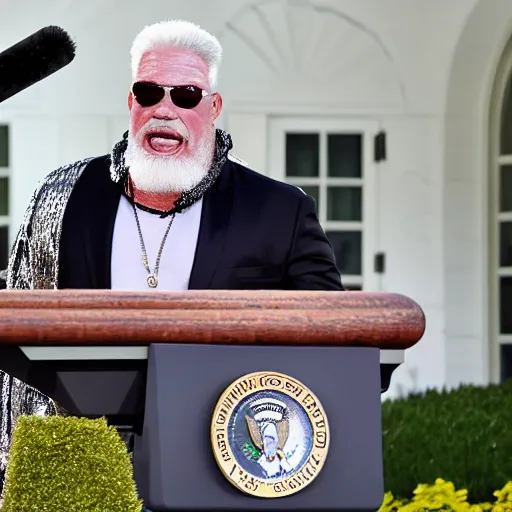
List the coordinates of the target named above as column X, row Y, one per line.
column 148, row 94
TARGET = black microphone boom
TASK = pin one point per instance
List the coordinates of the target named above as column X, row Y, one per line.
column 33, row 59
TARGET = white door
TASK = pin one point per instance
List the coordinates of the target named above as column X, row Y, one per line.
column 333, row 162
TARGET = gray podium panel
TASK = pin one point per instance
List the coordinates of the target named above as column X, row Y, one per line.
column 174, row 464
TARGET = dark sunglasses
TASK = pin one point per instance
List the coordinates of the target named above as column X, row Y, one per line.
column 149, row 94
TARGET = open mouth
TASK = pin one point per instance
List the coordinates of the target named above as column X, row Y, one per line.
column 164, row 141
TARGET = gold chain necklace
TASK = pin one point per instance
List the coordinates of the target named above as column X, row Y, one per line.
column 152, row 278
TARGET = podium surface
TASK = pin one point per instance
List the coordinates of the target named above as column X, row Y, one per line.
column 158, row 363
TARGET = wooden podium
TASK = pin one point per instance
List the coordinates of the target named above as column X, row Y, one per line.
column 156, row 363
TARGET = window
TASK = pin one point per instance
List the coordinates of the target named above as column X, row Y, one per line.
column 332, row 161
column 4, row 195
column 500, row 216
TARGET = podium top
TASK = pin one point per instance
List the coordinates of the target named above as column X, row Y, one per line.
column 106, row 317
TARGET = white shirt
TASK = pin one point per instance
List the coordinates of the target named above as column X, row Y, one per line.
column 127, row 270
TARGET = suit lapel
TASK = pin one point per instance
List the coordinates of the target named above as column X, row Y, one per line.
column 213, row 231
column 99, row 222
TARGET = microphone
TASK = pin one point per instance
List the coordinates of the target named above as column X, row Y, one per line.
column 33, row 59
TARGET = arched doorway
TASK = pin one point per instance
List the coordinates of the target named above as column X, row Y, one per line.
column 471, row 250
column 500, row 219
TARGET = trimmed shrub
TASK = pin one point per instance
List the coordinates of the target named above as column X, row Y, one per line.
column 464, row 435
column 67, row 463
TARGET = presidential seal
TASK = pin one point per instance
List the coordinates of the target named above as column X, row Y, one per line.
column 270, row 435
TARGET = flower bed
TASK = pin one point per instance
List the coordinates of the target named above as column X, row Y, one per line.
column 443, row 495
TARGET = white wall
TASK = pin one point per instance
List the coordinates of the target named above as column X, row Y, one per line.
column 395, row 61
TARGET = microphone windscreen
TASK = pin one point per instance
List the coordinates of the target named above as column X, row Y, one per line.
column 33, row 59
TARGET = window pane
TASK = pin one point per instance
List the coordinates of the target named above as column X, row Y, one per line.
column 506, row 244
column 344, row 203
column 344, row 155
column 506, row 188
column 314, row 193
column 4, row 196
column 506, row 362
column 4, row 146
column 4, row 247
column 302, row 154
column 347, row 249
column 506, row 305
column 506, row 121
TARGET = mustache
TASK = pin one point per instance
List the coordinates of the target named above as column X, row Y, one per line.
column 170, row 124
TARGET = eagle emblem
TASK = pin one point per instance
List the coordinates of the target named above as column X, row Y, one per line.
column 268, row 429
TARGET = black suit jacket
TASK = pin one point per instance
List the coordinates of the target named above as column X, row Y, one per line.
column 255, row 233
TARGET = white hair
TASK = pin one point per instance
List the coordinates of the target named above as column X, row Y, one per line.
column 179, row 34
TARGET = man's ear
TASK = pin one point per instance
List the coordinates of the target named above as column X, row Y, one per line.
column 130, row 100
column 216, row 105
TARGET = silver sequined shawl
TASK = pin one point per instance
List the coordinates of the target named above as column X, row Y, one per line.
column 34, row 258
column 34, row 265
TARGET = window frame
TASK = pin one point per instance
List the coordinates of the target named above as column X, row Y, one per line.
column 495, row 218
column 280, row 126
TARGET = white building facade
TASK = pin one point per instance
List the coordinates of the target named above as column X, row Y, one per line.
column 396, row 115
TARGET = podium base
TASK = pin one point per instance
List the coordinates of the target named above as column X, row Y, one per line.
column 174, row 463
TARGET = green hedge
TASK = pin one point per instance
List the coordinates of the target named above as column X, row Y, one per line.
column 65, row 463
column 464, row 436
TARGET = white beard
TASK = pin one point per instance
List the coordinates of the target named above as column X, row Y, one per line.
column 162, row 174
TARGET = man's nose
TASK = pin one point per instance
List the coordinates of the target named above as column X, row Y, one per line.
column 166, row 109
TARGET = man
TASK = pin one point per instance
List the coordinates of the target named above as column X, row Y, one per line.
column 170, row 208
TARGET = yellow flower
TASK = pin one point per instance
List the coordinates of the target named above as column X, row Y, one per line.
column 443, row 496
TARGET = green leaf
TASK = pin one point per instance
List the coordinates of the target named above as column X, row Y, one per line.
column 250, row 451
